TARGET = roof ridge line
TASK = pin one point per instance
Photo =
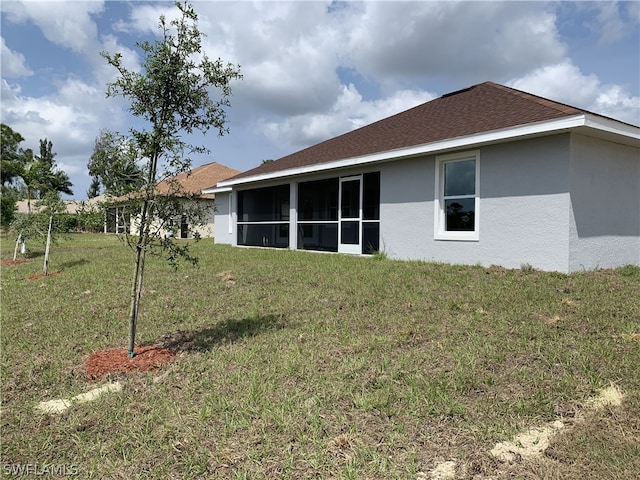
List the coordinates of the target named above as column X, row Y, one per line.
column 558, row 106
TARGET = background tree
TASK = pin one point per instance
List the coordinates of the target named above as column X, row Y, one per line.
column 12, row 162
column 46, row 153
column 53, row 179
column 12, row 156
column 94, row 188
column 113, row 166
column 41, row 175
column 90, row 217
column 171, row 93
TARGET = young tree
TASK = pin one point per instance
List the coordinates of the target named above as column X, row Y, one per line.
column 172, row 95
column 52, row 205
column 40, row 225
column 113, row 165
column 40, row 176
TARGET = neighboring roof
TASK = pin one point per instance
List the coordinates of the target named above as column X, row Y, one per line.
column 199, row 178
column 72, row 205
column 485, row 107
column 194, row 181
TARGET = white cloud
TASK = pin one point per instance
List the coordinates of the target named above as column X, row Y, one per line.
column 564, row 82
column 610, row 24
column 633, row 11
column 615, row 20
column 13, row 63
column 469, row 40
column 145, row 18
column 287, row 52
column 129, row 59
column 348, row 112
column 67, row 24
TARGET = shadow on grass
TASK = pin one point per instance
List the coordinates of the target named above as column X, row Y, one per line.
column 74, row 263
column 33, row 254
column 229, row 331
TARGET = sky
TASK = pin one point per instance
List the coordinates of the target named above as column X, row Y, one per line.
column 311, row 70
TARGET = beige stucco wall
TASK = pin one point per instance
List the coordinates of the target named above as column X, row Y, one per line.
column 206, row 229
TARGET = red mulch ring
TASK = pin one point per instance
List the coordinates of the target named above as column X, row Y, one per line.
column 36, row 276
column 117, row 360
column 6, row 263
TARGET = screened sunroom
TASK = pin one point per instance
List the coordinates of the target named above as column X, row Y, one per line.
column 337, row 214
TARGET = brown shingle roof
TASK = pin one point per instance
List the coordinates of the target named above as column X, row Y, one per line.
column 480, row 108
column 192, row 182
column 199, row 178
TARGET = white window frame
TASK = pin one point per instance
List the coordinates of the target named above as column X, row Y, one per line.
column 439, row 201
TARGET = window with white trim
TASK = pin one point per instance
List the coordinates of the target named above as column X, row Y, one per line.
column 457, row 196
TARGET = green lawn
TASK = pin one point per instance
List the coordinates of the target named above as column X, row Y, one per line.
column 299, row 365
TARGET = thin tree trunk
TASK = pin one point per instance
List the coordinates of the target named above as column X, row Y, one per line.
column 143, row 241
column 45, row 268
column 136, row 283
column 15, row 250
column 140, row 284
column 135, row 299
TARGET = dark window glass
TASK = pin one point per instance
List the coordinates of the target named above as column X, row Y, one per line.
column 264, row 204
column 184, row 227
column 371, row 196
column 460, row 178
column 318, row 236
column 349, row 232
column 264, row 235
column 370, row 237
column 460, row 214
column 112, row 218
column 350, row 203
column 318, row 200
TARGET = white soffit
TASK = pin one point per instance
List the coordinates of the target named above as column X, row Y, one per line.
column 628, row 133
column 214, row 190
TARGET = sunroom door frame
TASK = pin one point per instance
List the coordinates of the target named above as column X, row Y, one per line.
column 350, row 215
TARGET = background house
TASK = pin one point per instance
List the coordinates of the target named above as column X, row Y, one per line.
column 485, row 175
column 78, row 215
column 190, row 186
column 73, row 206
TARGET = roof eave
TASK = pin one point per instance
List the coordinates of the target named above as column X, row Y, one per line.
column 613, row 130
column 548, row 127
column 214, row 190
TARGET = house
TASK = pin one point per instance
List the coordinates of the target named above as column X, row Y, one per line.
column 74, row 209
column 486, row 175
column 188, row 188
column 72, row 206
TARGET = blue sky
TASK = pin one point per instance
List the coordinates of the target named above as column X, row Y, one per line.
column 312, row 70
